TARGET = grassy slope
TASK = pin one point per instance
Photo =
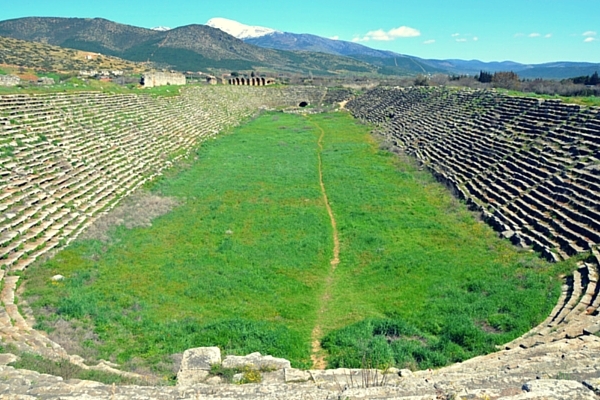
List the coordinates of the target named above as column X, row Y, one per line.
column 409, row 252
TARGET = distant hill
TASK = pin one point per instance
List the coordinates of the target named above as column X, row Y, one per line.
column 201, row 47
column 46, row 57
column 391, row 62
column 308, row 42
column 191, row 47
column 388, row 62
column 554, row 70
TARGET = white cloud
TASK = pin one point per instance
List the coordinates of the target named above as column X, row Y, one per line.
column 475, row 38
column 548, row 35
column 534, row 34
column 336, row 37
column 455, row 34
column 461, row 40
column 589, row 33
column 519, row 34
column 386, row 36
column 589, row 39
column 430, row 41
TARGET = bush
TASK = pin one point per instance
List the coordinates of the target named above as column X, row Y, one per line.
column 381, row 343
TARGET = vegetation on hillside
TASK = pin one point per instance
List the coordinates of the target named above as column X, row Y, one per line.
column 187, row 48
column 39, row 56
column 241, row 261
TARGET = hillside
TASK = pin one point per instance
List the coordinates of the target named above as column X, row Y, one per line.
column 191, row 47
column 39, row 56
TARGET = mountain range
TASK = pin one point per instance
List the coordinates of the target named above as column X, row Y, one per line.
column 224, row 44
column 270, row 38
column 187, row 48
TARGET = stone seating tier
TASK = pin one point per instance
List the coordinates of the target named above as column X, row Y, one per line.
column 67, row 158
column 528, row 163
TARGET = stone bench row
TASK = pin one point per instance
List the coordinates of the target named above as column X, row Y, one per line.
column 501, row 157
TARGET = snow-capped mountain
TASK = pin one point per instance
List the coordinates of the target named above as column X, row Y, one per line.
column 161, row 28
column 238, row 29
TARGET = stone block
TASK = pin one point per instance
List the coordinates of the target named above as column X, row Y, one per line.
column 256, row 361
column 196, row 363
column 295, row 375
column 200, row 358
column 192, row 377
column 7, row 358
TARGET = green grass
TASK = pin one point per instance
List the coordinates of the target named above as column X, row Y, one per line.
column 66, row 370
column 242, row 262
column 78, row 85
column 412, row 255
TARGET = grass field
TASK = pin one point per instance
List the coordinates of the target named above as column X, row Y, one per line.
column 243, row 261
column 78, row 85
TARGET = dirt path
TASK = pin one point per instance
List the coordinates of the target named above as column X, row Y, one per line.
column 318, row 356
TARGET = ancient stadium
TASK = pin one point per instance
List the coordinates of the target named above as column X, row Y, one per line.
column 311, row 188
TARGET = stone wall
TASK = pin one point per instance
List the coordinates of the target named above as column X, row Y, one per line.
column 254, row 81
column 154, row 79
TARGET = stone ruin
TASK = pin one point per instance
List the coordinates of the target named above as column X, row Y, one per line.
column 254, row 81
column 153, row 79
column 9, row 80
column 528, row 165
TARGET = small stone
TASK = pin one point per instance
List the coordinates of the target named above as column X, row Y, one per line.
column 405, row 373
column 215, row 380
column 7, row 358
column 237, row 378
column 593, row 384
column 57, row 278
column 508, row 234
column 229, row 232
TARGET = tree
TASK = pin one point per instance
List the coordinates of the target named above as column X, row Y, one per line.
column 485, row 77
column 506, row 80
column 594, row 79
column 421, row 80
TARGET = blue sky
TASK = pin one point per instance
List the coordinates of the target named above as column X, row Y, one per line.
column 528, row 31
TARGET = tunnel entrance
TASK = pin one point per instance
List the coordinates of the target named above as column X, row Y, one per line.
column 303, row 104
